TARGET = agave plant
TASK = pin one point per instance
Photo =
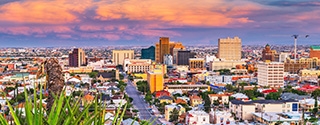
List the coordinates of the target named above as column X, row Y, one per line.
column 64, row 111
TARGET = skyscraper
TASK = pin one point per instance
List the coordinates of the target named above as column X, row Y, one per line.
column 118, row 56
column 77, row 58
column 230, row 48
column 148, row 53
column 164, row 47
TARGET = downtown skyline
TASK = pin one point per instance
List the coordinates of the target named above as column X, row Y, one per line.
column 34, row 23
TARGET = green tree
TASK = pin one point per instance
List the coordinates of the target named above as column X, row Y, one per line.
column 148, row 97
column 231, row 88
column 207, row 103
column 273, row 96
column 143, row 86
column 93, row 74
column 242, row 84
column 315, row 94
column 174, row 116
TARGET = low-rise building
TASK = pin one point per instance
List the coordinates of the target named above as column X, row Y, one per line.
column 222, row 98
column 197, row 117
column 195, row 100
column 186, row 87
column 244, row 109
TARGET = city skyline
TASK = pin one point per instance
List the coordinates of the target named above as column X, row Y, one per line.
column 131, row 22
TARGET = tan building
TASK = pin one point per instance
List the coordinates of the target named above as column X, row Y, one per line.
column 309, row 74
column 186, row 87
column 196, row 64
column 303, row 63
column 137, row 65
column 224, row 64
column 271, row 74
column 164, row 47
column 195, row 100
column 155, row 80
column 230, row 48
column 118, row 56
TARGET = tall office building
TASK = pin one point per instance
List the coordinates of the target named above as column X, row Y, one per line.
column 77, row 58
column 183, row 57
column 118, row 56
column 271, row 74
column 230, row 48
column 148, row 53
column 164, row 47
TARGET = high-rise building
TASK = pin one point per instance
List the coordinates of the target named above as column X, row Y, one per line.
column 155, row 80
column 164, row 47
column 148, row 53
column 183, row 57
column 118, row 56
column 268, row 54
column 230, row 48
column 271, row 74
column 315, row 51
column 77, row 58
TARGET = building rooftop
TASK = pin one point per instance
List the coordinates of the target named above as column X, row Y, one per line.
column 315, row 47
column 262, row 101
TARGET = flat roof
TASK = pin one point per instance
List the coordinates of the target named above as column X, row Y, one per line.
column 315, row 47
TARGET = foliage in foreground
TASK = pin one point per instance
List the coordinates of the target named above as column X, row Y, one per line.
column 64, row 111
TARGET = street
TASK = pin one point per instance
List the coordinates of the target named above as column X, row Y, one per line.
column 140, row 104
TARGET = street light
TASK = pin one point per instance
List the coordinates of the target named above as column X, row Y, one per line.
column 295, row 45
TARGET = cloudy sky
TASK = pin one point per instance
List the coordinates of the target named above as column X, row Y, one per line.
column 142, row 22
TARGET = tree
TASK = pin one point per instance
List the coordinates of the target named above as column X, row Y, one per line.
column 174, row 116
column 93, row 74
column 273, row 96
column 315, row 94
column 148, row 97
column 207, row 104
column 242, row 84
column 230, row 88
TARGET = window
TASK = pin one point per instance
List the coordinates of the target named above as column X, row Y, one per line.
column 288, row 105
column 283, row 105
column 204, row 119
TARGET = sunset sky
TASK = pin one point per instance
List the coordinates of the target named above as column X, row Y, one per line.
column 142, row 22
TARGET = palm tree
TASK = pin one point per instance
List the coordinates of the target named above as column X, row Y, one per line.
column 174, row 115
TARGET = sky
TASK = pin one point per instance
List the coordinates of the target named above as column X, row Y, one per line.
column 35, row 23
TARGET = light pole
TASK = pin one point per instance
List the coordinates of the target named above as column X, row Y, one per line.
column 295, row 45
